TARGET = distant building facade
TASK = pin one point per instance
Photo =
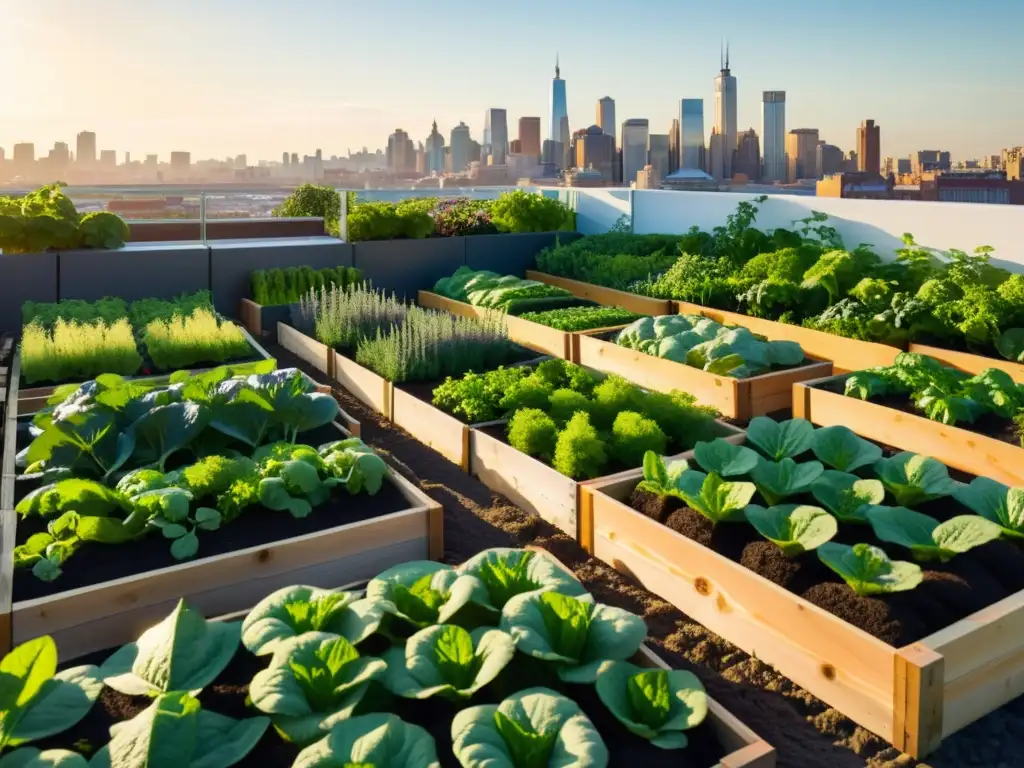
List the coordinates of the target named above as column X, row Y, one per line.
column 773, row 135
column 658, row 154
column 748, row 156
column 859, row 184
column 559, row 128
column 400, row 154
column 460, row 153
column 495, row 144
column 529, row 136
column 691, row 134
column 434, row 151
column 595, row 150
column 869, row 147
column 673, row 145
column 830, row 159
column 85, row 149
column 634, row 147
column 930, row 160
column 725, row 113
column 802, row 153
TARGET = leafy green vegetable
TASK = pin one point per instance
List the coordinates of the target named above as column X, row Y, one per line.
column 996, row 502
column 314, row 681
column 847, row 496
column 293, row 611
column 779, row 440
column 572, row 631
column 794, row 528
column 914, row 479
column 1011, row 344
column 655, row 704
column 718, row 500
column 776, row 481
column 30, row 757
column 723, row 458
column 533, row 432
column 581, row 318
column 926, row 538
column 378, row 740
column 184, row 652
column 632, row 436
column 868, row 570
column 535, row 728
column 839, row 448
column 415, row 592
column 579, row 451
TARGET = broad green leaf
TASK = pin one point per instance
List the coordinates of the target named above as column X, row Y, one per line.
column 713, row 497
column 414, row 592
column 847, row 496
column 780, row 480
column 996, row 502
column 724, row 459
column 780, row 439
column 794, row 528
column 184, row 652
column 86, row 497
column 446, row 660
column 657, row 705
column 185, row 547
column 839, row 448
column 293, row 611
column 378, row 740
column 868, row 570
column 654, row 470
column 1011, row 344
column 926, row 538
column 535, row 728
column 61, row 702
column 274, row 494
column 167, row 429
column 914, row 479
column 30, row 757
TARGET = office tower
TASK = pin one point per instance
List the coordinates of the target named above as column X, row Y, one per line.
column 869, row 145
column 802, row 153
column 725, row 113
column 1011, row 160
column 421, row 158
column 559, row 129
column 2, row 155
column 181, row 162
column 60, row 154
column 691, row 134
column 529, row 136
column 830, row 159
column 930, row 160
column 773, row 135
column 515, row 147
column 634, row 148
column 108, row 158
column 241, row 161
column 85, row 149
column 748, row 155
column 434, row 151
column 151, row 161
column 284, row 159
column 595, row 149
column 24, row 153
column 647, row 178
column 401, row 152
column 606, row 115
column 460, row 153
column 658, row 154
column 673, row 145
column 495, row 145
column 295, row 158
column 716, row 155
column 475, row 151
column 553, row 152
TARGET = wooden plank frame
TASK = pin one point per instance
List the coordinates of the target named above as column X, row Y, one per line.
column 965, row 361
column 641, row 305
column 913, row 696
column 740, row 399
column 91, row 618
column 532, row 485
column 249, row 312
column 960, row 448
column 302, row 346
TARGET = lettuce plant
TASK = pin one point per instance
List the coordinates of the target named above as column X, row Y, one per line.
column 661, row 478
column 378, row 740
column 184, row 652
column 314, row 681
column 175, row 732
column 87, row 497
column 839, row 448
column 780, row 440
column 718, row 500
column 913, row 479
column 868, row 570
column 292, row 611
column 655, row 704
column 355, row 464
column 30, row 757
column 776, row 481
column 847, row 496
column 996, row 502
column 927, row 538
column 446, row 660
column 535, row 728
column 575, row 633
column 793, row 528
column 724, row 459
column 415, row 593
column 37, row 702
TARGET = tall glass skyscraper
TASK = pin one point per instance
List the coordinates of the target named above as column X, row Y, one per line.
column 773, row 135
column 725, row 113
column 634, row 148
column 691, row 134
column 559, row 130
column 495, row 146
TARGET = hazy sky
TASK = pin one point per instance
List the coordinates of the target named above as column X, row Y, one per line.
column 219, row 77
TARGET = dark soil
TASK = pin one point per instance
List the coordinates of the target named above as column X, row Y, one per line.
column 989, row 425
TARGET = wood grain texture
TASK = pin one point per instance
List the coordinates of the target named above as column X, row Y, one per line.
column 302, row 346
column 431, row 426
column 641, row 305
column 249, row 311
column 917, row 704
column 8, row 518
column 365, row 385
column 965, row 361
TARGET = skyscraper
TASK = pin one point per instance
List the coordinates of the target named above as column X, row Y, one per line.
column 606, row 115
column 460, row 148
column 748, row 155
column 401, row 152
column 559, row 129
column 830, row 159
column 108, row 158
column 634, row 148
column 691, row 134
column 802, row 153
column 773, row 135
column 596, row 149
column 716, row 155
column 85, row 149
column 434, row 151
column 869, row 147
column 284, row 159
column 529, row 135
column 495, row 145
column 725, row 113
column 673, row 145
column 658, row 153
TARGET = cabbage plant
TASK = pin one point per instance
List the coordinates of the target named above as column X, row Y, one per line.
column 416, row 593
column 447, row 661
column 184, row 652
column 377, row 740
column 778, row 440
column 314, row 681
column 37, row 702
column 718, row 500
column 996, row 502
column 793, row 528
column 779, row 480
column 293, row 611
column 655, row 704
column 724, row 459
column 914, row 479
column 175, row 732
column 573, row 632
column 847, row 496
column 868, row 570
column 839, row 448
column 535, row 728
column 927, row 538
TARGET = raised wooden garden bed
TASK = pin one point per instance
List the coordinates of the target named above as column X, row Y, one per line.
column 965, row 361
column 845, row 354
column 641, row 305
column 262, row 320
column 318, row 355
column 956, row 447
column 531, row 484
column 913, row 696
column 740, row 399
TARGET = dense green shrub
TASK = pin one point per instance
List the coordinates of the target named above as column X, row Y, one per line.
column 579, row 452
column 566, row 403
column 461, row 217
column 476, row 397
column 614, row 259
column 632, row 436
column 109, row 310
column 78, row 351
column 46, row 219
column 533, row 432
column 522, row 211
column 317, row 201
column 389, row 221
column 102, row 229
column 287, row 286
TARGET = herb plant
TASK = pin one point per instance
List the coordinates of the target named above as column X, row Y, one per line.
column 581, row 318
column 288, row 286
column 74, row 351
column 198, row 338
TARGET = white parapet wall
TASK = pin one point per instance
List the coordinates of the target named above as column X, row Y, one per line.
column 879, row 223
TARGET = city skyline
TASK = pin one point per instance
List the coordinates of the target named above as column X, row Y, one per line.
column 286, row 94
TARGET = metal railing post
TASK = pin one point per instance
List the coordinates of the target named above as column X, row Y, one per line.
column 343, row 216
column 632, row 210
column 202, row 217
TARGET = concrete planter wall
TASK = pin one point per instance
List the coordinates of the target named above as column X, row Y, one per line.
column 511, row 254
column 407, row 266
column 233, row 261
column 25, row 277
column 137, row 271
